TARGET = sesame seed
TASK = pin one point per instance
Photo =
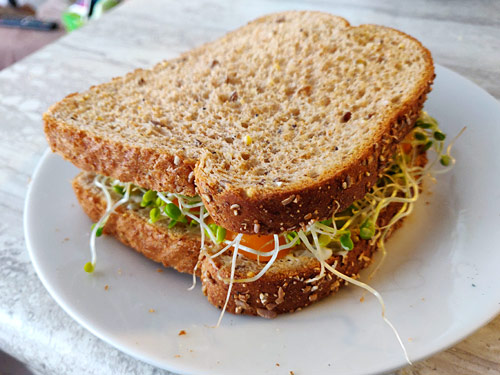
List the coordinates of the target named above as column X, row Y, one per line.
column 235, row 207
column 233, row 97
column 308, row 216
column 256, row 227
column 288, row 200
column 235, row 212
column 177, row 160
column 344, row 185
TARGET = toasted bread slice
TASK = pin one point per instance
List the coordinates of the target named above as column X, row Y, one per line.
column 274, row 124
column 283, row 288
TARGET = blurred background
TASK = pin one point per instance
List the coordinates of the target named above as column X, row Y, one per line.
column 28, row 25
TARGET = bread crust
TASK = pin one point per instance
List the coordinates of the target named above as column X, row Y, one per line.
column 147, row 167
column 273, row 210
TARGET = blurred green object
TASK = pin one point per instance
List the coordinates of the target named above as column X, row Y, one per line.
column 72, row 21
column 79, row 13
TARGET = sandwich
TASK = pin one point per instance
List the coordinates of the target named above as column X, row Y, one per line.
column 271, row 163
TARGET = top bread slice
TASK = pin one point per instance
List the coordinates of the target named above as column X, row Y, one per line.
column 275, row 124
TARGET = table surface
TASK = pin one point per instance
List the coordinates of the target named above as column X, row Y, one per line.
column 464, row 36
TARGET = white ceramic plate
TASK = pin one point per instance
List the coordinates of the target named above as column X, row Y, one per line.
column 440, row 282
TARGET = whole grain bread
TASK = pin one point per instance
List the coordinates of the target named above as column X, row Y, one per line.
column 274, row 124
column 283, row 288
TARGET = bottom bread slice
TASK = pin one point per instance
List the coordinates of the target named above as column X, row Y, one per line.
column 177, row 247
column 285, row 287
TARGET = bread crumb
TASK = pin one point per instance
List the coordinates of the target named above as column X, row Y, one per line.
column 177, row 356
column 119, row 271
column 159, row 270
column 277, row 365
column 152, row 310
column 182, row 332
column 106, row 287
column 362, row 299
column 292, row 373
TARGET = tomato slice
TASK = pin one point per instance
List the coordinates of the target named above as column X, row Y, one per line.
column 259, row 243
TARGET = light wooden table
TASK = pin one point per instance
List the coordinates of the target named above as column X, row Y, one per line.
column 464, row 36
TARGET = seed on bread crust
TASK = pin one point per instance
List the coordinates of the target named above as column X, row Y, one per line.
column 264, row 313
column 288, row 200
column 256, row 228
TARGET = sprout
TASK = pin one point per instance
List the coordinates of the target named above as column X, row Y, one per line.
column 438, row 136
column 172, row 211
column 119, row 189
column 291, row 236
column 148, row 198
column 367, row 230
column 445, row 160
column 346, row 242
column 220, row 234
column 154, row 214
column 420, row 136
column 98, row 232
column 88, row 267
column 324, row 239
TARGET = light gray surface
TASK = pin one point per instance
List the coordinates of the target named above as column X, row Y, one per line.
column 464, row 36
